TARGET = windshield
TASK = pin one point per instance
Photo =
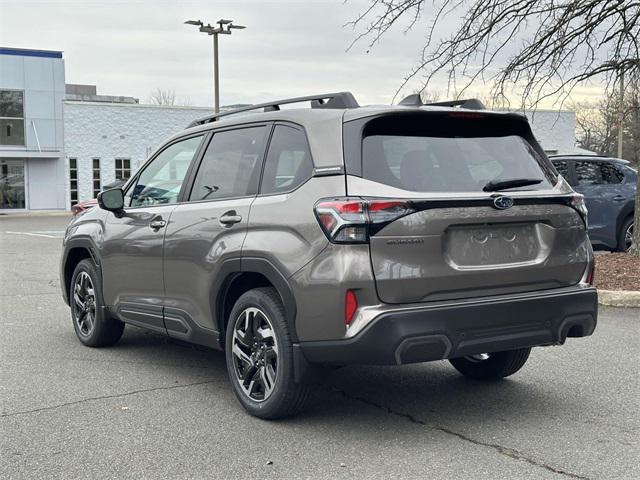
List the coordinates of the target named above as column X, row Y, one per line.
column 460, row 159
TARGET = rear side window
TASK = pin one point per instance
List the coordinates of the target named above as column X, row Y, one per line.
column 231, row 165
column 288, row 162
column 438, row 153
column 597, row 173
column 562, row 168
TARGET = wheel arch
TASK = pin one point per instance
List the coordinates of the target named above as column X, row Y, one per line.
column 253, row 273
column 77, row 250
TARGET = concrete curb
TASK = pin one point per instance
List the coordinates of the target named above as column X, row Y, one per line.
column 619, row 298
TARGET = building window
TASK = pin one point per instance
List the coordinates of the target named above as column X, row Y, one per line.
column 97, row 184
column 73, row 180
column 12, row 185
column 11, row 117
column 123, row 168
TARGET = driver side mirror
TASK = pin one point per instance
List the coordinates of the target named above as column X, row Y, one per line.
column 112, row 200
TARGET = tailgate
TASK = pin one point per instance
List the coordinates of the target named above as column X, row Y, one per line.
column 447, row 253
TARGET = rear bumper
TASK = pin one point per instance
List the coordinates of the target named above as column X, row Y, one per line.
column 451, row 330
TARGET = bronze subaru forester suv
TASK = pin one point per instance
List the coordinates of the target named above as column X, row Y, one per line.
column 304, row 237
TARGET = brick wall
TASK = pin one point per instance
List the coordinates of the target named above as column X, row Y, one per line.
column 110, row 131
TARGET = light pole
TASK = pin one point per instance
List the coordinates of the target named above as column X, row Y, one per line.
column 223, row 27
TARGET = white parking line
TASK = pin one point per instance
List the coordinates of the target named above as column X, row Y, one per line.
column 35, row 234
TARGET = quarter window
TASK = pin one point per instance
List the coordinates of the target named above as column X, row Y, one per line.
column 160, row 182
column 123, row 168
column 288, row 162
column 11, row 117
column 231, row 165
column 610, row 174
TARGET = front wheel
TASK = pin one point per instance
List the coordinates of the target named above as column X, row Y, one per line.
column 491, row 366
column 91, row 321
column 259, row 356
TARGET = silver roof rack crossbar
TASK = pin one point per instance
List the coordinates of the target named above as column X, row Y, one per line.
column 414, row 100
column 327, row 100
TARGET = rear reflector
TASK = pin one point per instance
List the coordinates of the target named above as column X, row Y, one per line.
column 350, row 306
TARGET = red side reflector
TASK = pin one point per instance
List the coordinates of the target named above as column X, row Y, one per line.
column 350, row 306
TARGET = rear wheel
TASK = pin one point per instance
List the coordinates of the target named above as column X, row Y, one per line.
column 260, row 356
column 625, row 237
column 92, row 323
column 491, row 366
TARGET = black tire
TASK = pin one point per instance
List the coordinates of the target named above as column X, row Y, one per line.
column 105, row 330
column 262, row 306
column 623, row 246
column 498, row 364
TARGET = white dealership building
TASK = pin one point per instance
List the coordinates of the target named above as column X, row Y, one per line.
column 60, row 144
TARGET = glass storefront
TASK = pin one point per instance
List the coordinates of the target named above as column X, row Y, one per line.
column 12, row 185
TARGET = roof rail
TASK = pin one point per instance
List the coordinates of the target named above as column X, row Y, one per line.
column 414, row 100
column 326, row 100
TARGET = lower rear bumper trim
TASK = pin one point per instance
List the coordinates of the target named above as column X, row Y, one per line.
column 450, row 331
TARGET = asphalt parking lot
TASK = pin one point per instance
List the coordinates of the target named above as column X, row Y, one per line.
column 150, row 408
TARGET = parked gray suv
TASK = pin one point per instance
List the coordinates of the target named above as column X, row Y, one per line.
column 300, row 238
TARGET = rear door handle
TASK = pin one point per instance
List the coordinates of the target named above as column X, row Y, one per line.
column 157, row 224
column 230, row 218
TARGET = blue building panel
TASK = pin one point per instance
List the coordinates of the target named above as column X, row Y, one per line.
column 25, row 52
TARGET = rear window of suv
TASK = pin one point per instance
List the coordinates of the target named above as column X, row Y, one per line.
column 445, row 153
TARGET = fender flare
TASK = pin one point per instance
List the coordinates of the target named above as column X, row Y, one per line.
column 266, row 268
column 85, row 243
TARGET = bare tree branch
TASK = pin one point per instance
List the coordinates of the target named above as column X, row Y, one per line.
column 542, row 48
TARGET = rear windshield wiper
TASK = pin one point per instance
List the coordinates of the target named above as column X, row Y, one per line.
column 495, row 185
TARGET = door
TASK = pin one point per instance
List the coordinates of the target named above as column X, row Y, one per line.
column 132, row 249
column 601, row 185
column 205, row 235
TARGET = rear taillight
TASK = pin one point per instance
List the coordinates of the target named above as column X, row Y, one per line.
column 347, row 220
column 577, row 202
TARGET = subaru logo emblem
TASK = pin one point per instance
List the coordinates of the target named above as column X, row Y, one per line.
column 502, row 203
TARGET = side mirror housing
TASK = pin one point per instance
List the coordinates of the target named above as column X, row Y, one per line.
column 112, row 200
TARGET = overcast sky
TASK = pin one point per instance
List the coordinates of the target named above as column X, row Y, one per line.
column 289, row 48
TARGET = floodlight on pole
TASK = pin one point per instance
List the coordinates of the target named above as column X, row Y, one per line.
column 214, row 32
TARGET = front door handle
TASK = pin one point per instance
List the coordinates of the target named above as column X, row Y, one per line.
column 157, row 224
column 618, row 198
column 230, row 218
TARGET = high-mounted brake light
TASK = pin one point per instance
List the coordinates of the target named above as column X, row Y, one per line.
column 346, row 220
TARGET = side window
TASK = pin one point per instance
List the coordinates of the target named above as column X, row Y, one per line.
column 610, row 174
column 161, row 180
column 588, row 173
column 562, row 168
column 288, row 163
column 231, row 165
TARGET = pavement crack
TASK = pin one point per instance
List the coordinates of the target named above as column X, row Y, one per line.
column 502, row 450
column 103, row 397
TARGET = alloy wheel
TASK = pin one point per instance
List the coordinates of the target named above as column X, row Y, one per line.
column 628, row 238
column 84, row 304
column 255, row 354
